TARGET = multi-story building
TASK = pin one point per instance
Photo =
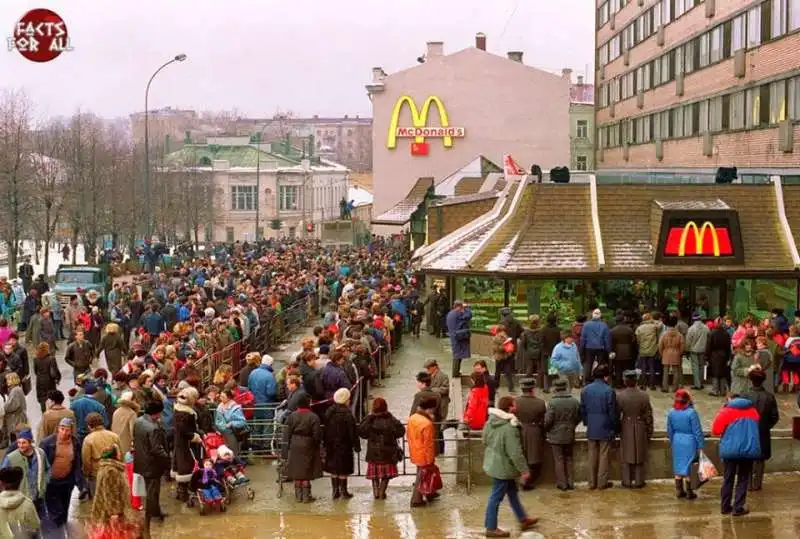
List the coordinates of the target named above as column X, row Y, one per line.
column 162, row 123
column 581, row 124
column 698, row 84
column 292, row 191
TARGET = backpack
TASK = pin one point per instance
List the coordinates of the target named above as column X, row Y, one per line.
column 532, row 342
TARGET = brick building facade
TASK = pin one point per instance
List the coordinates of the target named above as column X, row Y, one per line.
column 698, row 84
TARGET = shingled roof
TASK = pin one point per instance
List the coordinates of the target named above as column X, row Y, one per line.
column 401, row 212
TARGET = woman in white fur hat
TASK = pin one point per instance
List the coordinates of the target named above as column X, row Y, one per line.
column 341, row 441
column 186, row 434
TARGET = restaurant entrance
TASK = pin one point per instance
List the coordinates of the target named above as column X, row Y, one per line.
column 708, row 296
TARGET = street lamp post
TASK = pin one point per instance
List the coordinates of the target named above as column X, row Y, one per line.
column 258, row 177
column 148, row 217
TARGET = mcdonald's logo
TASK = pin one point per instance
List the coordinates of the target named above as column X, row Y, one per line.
column 419, row 129
column 707, row 240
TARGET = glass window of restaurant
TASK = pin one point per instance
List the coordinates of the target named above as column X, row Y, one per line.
column 485, row 296
column 760, row 296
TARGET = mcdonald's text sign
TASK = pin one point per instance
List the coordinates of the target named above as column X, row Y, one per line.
column 713, row 239
column 419, row 129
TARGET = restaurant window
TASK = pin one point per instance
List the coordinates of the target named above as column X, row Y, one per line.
column 754, row 27
column 581, row 162
column 779, row 18
column 715, row 39
column 737, row 111
column 564, row 297
column 777, row 101
column 486, row 296
column 738, row 33
column 759, row 296
column 689, row 56
column 704, row 51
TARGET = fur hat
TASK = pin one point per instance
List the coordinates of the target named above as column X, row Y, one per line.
column 154, row 406
column 188, row 396
column 342, row 396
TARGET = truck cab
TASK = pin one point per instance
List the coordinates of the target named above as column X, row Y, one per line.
column 70, row 278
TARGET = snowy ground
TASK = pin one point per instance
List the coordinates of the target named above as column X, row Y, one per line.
column 55, row 259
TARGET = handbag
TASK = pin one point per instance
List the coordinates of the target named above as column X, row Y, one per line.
column 462, row 334
column 430, row 480
column 241, row 433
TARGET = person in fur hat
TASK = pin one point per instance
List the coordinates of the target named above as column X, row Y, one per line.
column 186, row 440
column 341, row 441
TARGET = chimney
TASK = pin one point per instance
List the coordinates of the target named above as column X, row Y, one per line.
column 567, row 73
column 378, row 74
column 515, row 56
column 480, row 41
column 435, row 48
column 580, row 79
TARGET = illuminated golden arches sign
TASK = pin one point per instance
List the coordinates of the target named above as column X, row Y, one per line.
column 419, row 129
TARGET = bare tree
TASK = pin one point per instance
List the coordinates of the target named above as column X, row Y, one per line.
column 15, row 171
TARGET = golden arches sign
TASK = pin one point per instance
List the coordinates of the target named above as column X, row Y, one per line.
column 699, row 235
column 419, row 129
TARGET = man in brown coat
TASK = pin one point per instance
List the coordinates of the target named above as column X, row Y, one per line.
column 56, row 411
column 530, row 413
column 670, row 348
column 636, row 420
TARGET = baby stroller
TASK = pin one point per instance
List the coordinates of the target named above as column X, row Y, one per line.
column 230, row 471
column 207, row 494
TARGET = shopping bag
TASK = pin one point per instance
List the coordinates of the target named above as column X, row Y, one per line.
column 705, row 469
column 430, row 481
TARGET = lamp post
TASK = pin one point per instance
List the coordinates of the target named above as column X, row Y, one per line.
column 148, row 219
column 258, row 177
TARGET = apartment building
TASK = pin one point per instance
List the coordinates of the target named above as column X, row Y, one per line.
column 581, row 124
column 698, row 84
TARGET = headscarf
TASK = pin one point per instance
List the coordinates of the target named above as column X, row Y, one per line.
column 682, row 399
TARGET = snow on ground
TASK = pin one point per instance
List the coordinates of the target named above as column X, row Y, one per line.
column 55, row 259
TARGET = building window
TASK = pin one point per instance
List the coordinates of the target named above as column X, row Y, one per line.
column 615, row 47
column 666, row 71
column 627, row 85
column 754, row 27
column 738, row 33
column 582, row 129
column 793, row 92
column 580, row 162
column 629, row 37
column 243, row 198
column 682, row 6
column 688, row 56
column 777, row 101
column 779, row 17
column 677, row 122
column 736, row 111
column 603, row 55
column 715, row 114
column 229, row 235
column 704, row 50
column 716, row 44
column 703, row 117
column 643, row 78
column 794, row 15
column 666, row 11
column 656, row 16
column 758, row 106
column 602, row 14
column 664, row 127
column 603, row 95
column 287, row 196
column 690, row 119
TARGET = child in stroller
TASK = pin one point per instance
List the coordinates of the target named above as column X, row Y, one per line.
column 230, row 467
column 206, row 488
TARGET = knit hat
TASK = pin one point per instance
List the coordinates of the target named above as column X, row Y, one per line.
column 25, row 434
column 66, row 422
column 209, row 312
column 126, row 396
column 342, row 396
column 266, row 359
column 90, row 388
column 154, row 406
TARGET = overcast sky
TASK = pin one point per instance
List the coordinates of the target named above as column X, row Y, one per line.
column 258, row 56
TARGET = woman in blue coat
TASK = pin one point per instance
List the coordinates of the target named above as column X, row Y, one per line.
column 229, row 420
column 686, row 439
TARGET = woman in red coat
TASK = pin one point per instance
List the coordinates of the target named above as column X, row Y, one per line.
column 477, row 410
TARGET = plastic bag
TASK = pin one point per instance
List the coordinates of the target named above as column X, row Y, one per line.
column 430, row 480
column 706, row 469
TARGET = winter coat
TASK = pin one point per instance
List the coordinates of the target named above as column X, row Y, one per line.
column 765, row 359
column 737, row 426
column 670, row 347
column 261, row 383
column 477, row 410
column 551, row 336
column 184, row 423
column 595, row 335
column 48, row 445
column 767, row 407
column 333, row 379
column 114, row 347
column 647, row 338
column 47, row 376
column 685, row 438
column 122, row 423
column 15, row 409
column 636, row 422
column 150, row 456
column 18, row 515
column 623, row 343
column 47, row 331
column 341, row 440
column 312, row 382
column 421, row 436
column 82, row 407
column 719, row 353
column 440, row 383
column 599, row 411
column 427, row 392
column 230, row 413
column 740, row 366
column 302, row 438
column 79, row 356
column 697, row 338
column 530, row 414
column 562, row 417
column 503, row 457
column 531, row 346
column 459, row 332
column 382, row 432
column 94, row 445
column 50, row 420
column 566, row 359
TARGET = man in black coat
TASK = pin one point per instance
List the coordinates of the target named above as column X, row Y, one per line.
column 766, row 405
column 551, row 336
column 623, row 346
column 150, row 457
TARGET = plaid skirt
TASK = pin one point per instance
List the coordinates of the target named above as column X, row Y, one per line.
column 381, row 471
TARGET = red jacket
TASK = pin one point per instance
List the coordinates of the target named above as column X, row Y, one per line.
column 477, row 411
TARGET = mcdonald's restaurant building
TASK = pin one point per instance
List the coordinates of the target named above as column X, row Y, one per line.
column 432, row 118
column 570, row 248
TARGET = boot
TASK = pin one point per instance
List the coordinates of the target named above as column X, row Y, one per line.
column 382, row 488
column 336, row 492
column 679, row 492
column 343, row 488
column 376, row 489
column 307, row 497
column 298, row 494
column 690, row 495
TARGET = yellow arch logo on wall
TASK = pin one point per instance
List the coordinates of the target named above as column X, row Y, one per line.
column 419, row 129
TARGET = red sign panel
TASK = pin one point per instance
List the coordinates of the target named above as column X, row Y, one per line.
column 419, row 149
column 703, row 240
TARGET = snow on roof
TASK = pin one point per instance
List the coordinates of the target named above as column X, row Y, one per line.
column 360, row 195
